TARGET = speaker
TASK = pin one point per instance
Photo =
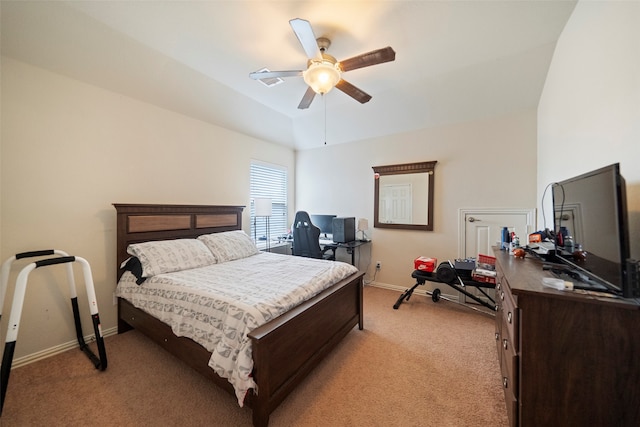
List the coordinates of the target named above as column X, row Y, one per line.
column 344, row 229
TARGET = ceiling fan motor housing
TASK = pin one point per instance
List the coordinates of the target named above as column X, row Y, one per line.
column 323, row 43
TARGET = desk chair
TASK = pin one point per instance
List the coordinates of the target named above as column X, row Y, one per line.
column 306, row 239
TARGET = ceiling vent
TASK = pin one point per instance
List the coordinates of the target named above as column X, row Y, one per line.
column 270, row 81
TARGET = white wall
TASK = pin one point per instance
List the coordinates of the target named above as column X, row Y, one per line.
column 69, row 150
column 490, row 163
column 589, row 112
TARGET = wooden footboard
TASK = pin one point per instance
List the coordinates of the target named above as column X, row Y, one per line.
column 285, row 350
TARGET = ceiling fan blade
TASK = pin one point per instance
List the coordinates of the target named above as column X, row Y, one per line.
column 374, row 57
column 259, row 75
column 357, row 94
column 307, row 99
column 307, row 39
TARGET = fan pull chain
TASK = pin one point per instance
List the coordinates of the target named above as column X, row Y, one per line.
column 325, row 119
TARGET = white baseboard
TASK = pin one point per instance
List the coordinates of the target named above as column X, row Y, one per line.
column 52, row 351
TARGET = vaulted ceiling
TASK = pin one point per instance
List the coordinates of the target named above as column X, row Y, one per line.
column 455, row 60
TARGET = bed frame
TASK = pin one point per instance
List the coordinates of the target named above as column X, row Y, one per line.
column 285, row 350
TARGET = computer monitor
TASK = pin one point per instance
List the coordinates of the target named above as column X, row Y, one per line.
column 324, row 223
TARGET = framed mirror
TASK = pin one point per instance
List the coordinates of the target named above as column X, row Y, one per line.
column 403, row 196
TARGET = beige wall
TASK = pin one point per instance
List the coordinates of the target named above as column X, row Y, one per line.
column 589, row 112
column 490, row 163
column 69, row 150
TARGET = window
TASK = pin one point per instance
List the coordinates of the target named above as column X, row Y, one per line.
column 269, row 181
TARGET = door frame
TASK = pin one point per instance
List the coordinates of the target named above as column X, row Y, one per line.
column 463, row 212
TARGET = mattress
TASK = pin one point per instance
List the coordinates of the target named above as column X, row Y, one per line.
column 219, row 305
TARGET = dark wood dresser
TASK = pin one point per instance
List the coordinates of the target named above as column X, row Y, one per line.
column 567, row 358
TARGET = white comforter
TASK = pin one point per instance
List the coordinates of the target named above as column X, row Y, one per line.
column 217, row 306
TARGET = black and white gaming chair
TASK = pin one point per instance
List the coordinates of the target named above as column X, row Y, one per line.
column 306, row 239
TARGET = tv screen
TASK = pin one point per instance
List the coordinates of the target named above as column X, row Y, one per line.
column 324, row 223
column 590, row 222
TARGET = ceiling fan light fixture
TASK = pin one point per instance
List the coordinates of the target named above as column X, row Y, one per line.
column 322, row 76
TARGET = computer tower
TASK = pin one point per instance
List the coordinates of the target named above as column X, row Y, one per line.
column 344, row 230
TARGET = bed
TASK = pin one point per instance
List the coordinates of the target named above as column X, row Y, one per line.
column 284, row 350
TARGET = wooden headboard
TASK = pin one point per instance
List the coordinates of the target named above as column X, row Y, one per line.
column 141, row 223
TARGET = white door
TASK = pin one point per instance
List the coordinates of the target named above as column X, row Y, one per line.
column 571, row 219
column 480, row 231
column 395, row 204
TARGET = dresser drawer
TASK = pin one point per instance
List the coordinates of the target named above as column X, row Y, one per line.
column 498, row 291
column 512, row 409
column 499, row 340
column 509, row 370
column 509, row 316
column 498, row 325
column 509, row 386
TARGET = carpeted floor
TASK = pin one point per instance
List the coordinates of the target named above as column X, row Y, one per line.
column 425, row 364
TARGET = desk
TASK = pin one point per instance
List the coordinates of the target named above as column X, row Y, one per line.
column 276, row 246
column 349, row 246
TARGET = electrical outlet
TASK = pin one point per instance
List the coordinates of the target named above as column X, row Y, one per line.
column 378, row 265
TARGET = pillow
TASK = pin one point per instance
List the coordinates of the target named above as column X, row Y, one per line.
column 229, row 245
column 165, row 256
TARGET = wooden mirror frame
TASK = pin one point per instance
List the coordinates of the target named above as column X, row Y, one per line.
column 406, row 168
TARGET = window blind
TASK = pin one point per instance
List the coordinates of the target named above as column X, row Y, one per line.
column 269, row 181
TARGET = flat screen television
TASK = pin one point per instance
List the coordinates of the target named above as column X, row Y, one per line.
column 324, row 223
column 590, row 214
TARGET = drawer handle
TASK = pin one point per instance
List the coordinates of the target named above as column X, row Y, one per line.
column 509, row 317
column 505, row 382
column 497, row 336
column 504, row 343
column 502, row 296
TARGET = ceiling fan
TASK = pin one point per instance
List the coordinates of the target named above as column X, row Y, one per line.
column 323, row 72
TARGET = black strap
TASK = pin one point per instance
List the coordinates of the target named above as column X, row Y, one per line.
column 53, row 261
column 35, row 253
